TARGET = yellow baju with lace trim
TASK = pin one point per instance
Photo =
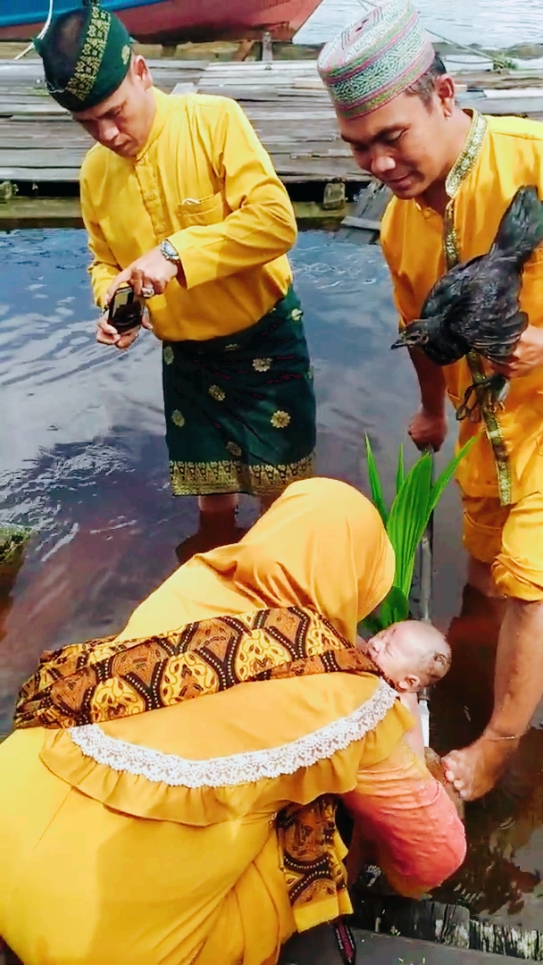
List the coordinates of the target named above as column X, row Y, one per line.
column 502, row 476
column 169, row 836
column 134, row 847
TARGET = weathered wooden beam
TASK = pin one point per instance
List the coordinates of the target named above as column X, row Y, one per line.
column 444, row 924
column 351, row 221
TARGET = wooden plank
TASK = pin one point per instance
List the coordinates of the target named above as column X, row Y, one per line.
column 368, row 224
column 291, row 170
column 500, row 79
column 314, row 144
column 41, row 159
column 363, row 226
column 285, row 101
column 21, row 212
column 487, row 936
column 507, row 93
column 183, row 88
column 389, row 950
column 25, row 175
column 319, row 945
column 308, row 178
column 328, row 169
column 33, row 110
column 502, row 106
column 298, row 115
column 444, row 924
column 281, row 97
column 58, row 157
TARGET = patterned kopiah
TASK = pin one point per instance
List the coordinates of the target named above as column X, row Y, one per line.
column 86, row 61
column 376, row 59
column 92, row 53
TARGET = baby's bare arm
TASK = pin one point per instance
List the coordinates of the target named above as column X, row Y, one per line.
column 414, row 737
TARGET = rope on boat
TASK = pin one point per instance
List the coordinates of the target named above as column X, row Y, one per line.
column 41, row 33
column 496, row 58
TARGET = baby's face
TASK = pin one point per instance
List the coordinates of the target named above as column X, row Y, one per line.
column 399, row 653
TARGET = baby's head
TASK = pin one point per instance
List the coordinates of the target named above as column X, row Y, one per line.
column 411, row 655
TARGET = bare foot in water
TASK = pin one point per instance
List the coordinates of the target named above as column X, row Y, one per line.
column 474, row 770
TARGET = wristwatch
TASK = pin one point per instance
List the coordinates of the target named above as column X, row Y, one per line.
column 169, row 252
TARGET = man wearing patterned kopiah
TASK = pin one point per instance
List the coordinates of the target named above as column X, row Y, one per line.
column 181, row 202
column 453, row 174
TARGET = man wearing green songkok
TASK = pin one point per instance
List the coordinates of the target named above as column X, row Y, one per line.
column 181, row 201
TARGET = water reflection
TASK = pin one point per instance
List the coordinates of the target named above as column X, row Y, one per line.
column 490, row 23
column 501, row 877
column 83, row 461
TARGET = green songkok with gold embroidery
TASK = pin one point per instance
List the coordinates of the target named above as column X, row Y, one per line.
column 86, row 55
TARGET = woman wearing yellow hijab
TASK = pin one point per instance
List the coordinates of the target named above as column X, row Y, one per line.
column 168, row 795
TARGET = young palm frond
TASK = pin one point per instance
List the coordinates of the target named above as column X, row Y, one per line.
column 416, row 498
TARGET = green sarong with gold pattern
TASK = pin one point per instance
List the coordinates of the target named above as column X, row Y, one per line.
column 240, row 409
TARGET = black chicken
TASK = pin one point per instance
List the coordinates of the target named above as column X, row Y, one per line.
column 475, row 305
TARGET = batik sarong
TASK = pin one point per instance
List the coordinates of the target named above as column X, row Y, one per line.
column 240, row 409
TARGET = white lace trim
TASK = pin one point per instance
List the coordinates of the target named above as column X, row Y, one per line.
column 237, row 768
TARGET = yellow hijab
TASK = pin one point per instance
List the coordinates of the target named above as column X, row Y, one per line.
column 321, row 545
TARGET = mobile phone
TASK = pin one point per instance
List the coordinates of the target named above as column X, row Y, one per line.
column 125, row 310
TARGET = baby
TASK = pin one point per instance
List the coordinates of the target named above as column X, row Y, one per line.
column 410, row 655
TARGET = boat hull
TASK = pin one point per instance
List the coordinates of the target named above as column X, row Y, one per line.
column 171, row 21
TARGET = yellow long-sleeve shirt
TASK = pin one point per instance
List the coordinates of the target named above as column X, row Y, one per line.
column 501, row 155
column 205, row 182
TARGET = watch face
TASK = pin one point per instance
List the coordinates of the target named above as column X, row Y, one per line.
column 169, row 251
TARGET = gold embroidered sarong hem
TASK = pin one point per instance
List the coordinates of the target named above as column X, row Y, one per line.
column 232, row 475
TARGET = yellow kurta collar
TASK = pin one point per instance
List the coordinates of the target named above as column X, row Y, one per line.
column 465, row 162
column 460, row 171
column 469, row 155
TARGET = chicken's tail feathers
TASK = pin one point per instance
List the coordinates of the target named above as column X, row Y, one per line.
column 521, row 228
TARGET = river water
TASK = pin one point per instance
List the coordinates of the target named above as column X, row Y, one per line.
column 83, row 462
column 491, row 23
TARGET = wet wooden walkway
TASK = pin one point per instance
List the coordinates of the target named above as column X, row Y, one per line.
column 318, row 948
column 285, row 100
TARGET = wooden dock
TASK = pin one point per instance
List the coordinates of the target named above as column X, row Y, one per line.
column 41, row 148
column 285, row 101
column 318, row 946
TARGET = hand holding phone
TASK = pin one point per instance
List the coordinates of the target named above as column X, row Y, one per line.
column 125, row 310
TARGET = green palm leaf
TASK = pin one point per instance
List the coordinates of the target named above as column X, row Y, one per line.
column 394, row 608
column 416, row 499
column 408, row 519
column 375, row 483
column 448, row 473
column 400, row 471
